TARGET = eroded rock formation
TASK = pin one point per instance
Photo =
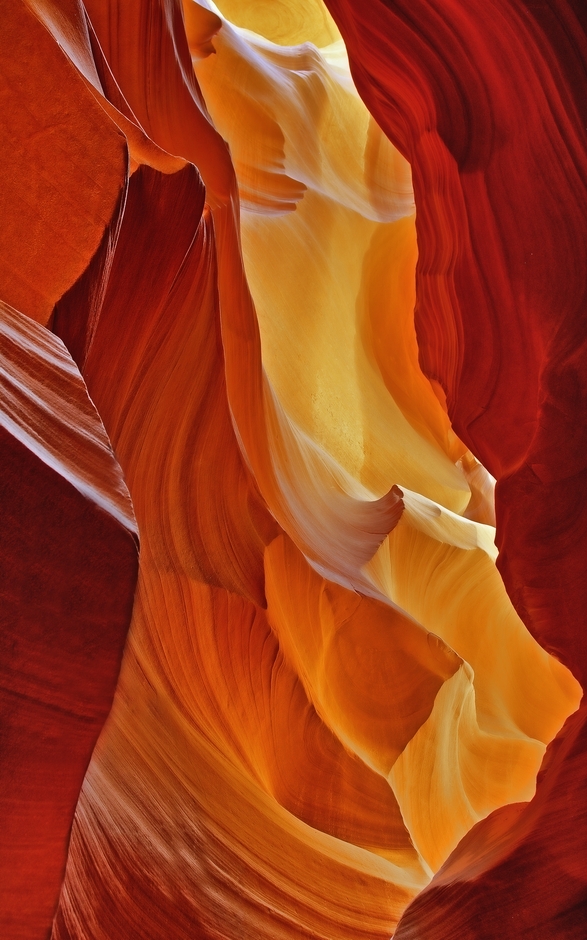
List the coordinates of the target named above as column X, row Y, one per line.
column 68, row 563
column 315, row 333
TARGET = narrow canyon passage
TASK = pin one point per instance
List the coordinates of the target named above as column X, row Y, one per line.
column 302, row 283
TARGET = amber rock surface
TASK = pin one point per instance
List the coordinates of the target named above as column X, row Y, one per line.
column 304, row 282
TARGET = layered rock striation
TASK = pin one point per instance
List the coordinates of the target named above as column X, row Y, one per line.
column 308, row 299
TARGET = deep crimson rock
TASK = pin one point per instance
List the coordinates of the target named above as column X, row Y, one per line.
column 68, row 568
column 487, row 101
column 521, row 872
column 488, row 104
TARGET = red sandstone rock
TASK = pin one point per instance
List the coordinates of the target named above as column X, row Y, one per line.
column 68, row 567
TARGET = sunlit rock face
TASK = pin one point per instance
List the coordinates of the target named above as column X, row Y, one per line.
column 490, row 109
column 488, row 104
column 313, row 348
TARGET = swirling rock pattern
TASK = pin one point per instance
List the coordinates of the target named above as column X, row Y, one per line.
column 487, row 102
column 328, row 704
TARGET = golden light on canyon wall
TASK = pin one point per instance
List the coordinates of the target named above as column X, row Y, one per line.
column 290, row 327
